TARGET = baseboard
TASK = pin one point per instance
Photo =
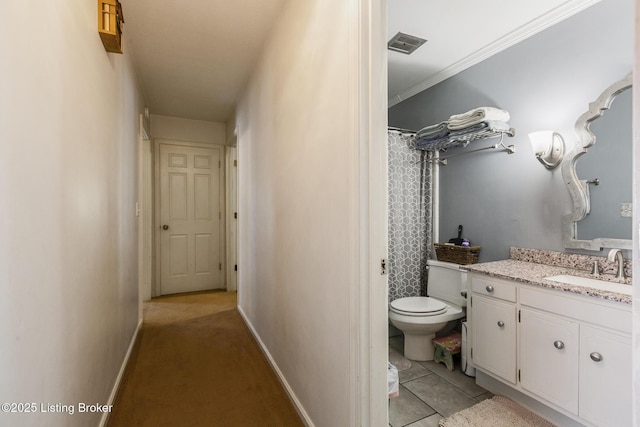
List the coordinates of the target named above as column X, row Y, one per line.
column 296, row 403
column 123, row 367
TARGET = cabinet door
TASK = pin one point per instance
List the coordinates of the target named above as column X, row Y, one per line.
column 549, row 358
column 494, row 337
column 605, row 377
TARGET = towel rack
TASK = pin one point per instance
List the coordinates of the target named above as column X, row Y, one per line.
column 510, row 149
column 483, row 134
column 465, row 139
column 401, row 130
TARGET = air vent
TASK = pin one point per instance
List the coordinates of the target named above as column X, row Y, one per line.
column 405, row 43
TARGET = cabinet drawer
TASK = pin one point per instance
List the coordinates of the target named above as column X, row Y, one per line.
column 604, row 314
column 494, row 288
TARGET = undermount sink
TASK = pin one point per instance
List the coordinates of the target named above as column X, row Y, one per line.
column 592, row 283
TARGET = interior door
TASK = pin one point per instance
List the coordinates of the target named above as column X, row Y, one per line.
column 191, row 223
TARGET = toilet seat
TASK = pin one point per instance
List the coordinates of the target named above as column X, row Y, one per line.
column 418, row 306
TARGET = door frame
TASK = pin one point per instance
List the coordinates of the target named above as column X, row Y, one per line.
column 156, row 287
column 144, row 212
column 635, row 350
column 231, row 225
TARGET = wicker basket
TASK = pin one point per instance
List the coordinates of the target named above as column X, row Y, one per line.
column 457, row 254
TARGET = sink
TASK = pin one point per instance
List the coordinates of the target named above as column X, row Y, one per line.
column 592, row 283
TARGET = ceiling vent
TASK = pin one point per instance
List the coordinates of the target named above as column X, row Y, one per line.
column 405, row 43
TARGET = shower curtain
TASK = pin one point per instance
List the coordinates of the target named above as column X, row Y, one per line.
column 410, row 215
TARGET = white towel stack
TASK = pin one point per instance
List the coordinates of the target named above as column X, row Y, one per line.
column 477, row 115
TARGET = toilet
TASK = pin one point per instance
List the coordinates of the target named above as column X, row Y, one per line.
column 420, row 318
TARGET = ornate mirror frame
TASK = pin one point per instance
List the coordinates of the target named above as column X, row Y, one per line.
column 579, row 188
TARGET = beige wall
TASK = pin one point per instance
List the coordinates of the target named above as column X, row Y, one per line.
column 301, row 188
column 178, row 129
column 69, row 116
column 231, row 131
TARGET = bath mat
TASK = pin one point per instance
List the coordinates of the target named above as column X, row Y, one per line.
column 495, row 412
column 398, row 360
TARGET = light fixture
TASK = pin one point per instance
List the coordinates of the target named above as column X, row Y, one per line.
column 548, row 146
column 110, row 22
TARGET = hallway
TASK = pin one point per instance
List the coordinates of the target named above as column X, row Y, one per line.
column 196, row 364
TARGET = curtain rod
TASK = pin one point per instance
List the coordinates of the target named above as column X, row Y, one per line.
column 401, row 130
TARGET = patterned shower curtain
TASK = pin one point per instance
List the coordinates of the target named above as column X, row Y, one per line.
column 410, row 219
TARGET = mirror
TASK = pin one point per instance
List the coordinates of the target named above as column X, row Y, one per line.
column 600, row 184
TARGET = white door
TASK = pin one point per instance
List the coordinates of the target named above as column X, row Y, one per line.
column 191, row 244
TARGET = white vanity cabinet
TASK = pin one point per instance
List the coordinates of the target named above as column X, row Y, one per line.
column 548, row 357
column 494, row 334
column 605, row 374
column 568, row 351
column 494, row 327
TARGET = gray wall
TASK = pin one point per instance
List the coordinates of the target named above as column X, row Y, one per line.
column 545, row 82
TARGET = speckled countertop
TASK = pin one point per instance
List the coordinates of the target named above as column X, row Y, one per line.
column 533, row 272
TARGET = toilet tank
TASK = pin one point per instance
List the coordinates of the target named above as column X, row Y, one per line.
column 446, row 281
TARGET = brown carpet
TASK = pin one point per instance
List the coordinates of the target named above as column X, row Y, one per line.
column 196, row 363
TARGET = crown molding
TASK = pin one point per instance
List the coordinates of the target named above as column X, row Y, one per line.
column 547, row 20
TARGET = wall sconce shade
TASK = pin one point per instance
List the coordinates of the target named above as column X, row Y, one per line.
column 110, row 20
column 548, row 146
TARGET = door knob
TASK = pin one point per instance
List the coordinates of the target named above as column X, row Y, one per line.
column 165, row 227
column 558, row 344
column 500, row 324
column 489, row 288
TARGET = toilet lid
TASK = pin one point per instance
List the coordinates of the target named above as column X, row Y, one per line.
column 424, row 306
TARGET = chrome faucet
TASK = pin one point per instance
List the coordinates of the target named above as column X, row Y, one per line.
column 616, row 255
column 595, row 271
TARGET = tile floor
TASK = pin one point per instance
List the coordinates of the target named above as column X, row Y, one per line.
column 429, row 391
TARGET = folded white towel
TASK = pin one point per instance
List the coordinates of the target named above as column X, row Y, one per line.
column 477, row 115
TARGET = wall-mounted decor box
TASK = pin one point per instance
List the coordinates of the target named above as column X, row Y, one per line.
column 110, row 20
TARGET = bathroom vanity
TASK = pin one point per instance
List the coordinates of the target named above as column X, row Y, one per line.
column 565, row 345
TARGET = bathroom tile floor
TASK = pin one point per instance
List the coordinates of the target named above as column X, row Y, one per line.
column 429, row 391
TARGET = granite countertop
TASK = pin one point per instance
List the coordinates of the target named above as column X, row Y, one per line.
column 534, row 273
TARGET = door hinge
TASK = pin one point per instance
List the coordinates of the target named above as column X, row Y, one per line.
column 220, row 266
column 219, row 164
column 472, row 352
column 219, row 215
column 518, row 374
column 235, row 215
column 235, row 163
column 383, row 266
column 519, row 317
column 235, row 267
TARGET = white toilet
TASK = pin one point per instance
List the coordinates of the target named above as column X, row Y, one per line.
column 420, row 318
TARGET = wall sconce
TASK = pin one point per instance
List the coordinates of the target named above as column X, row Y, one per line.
column 548, row 147
column 110, row 20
